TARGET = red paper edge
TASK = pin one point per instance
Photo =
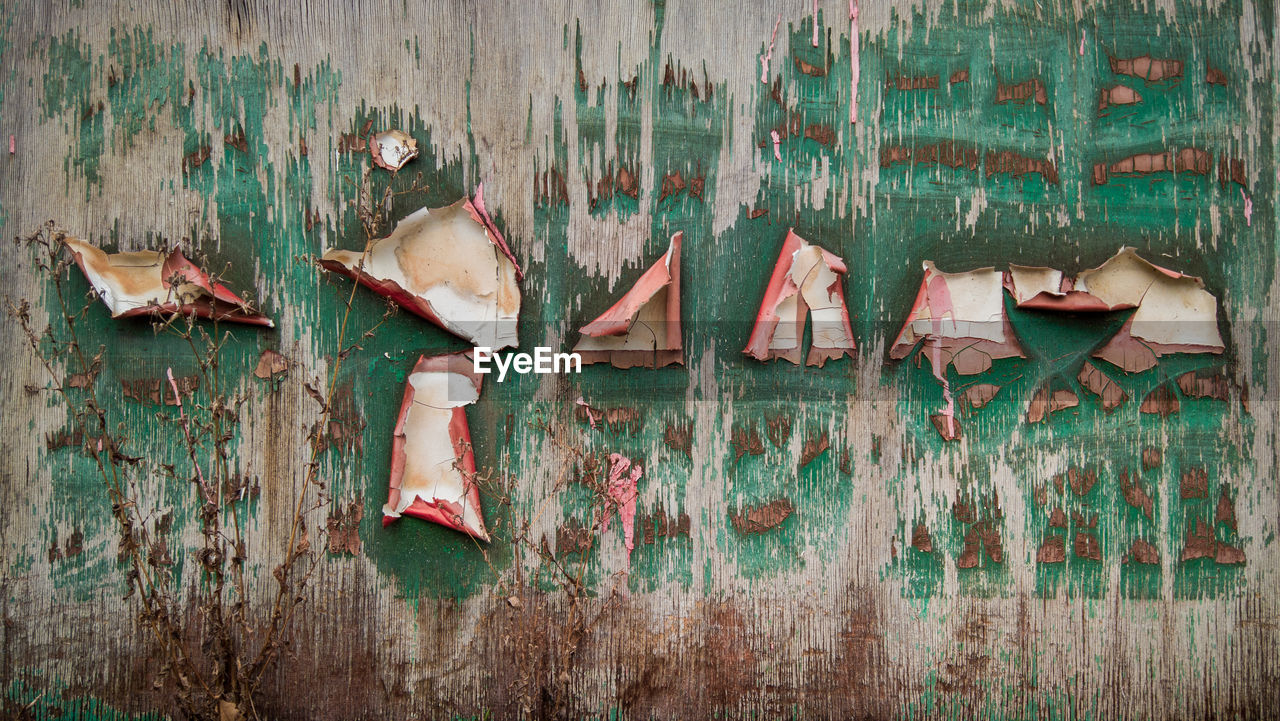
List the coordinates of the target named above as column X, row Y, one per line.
column 618, row 318
column 767, row 318
column 203, row 309
column 459, row 434
column 475, row 206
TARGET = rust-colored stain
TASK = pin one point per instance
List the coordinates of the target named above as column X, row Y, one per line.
column 1195, row 483
column 1226, row 510
column 1161, row 401
column 1032, row 89
column 672, row 184
column 1018, row 165
column 809, row 68
column 627, row 184
column 679, row 437
column 778, row 429
column 918, row 82
column 659, row 525
column 1135, row 493
column 1099, row 384
column 1143, row 552
column 950, row 154
column 343, row 527
column 820, row 133
column 1052, row 550
column 982, row 536
column 746, row 441
column 947, row 426
column 573, row 537
column 1147, row 68
column 758, row 519
column 155, row 390
column 1205, row 384
column 815, row 445
column 1086, row 546
column 1081, row 480
column 920, row 539
column 1058, row 519
column 1152, row 457
column 615, row 419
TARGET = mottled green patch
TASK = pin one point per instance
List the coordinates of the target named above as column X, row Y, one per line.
column 37, row 697
column 260, row 208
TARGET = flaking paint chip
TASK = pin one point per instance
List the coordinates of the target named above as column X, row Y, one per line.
column 643, row 327
column 147, row 282
column 392, row 149
column 433, row 468
column 450, row 265
column 807, row 282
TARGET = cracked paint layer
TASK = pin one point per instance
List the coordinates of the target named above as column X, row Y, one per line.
column 643, row 327
column 449, row 265
column 147, row 282
column 807, row 281
column 433, row 468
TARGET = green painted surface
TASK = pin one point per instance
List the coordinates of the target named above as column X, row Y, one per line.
column 914, row 217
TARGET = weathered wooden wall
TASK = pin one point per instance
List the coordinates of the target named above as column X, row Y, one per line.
column 832, row 613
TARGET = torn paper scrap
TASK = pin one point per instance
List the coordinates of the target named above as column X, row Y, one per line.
column 433, row 469
column 449, row 265
column 1038, row 288
column 147, row 282
column 807, row 281
column 960, row 319
column 1175, row 314
column 624, row 474
column 392, row 149
column 643, row 327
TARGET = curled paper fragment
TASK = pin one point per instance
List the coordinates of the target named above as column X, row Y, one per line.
column 449, row 265
column 807, row 281
column 1175, row 314
column 1040, row 288
column 433, row 470
column 392, row 149
column 624, row 474
column 146, row 282
column 643, row 327
column 960, row 319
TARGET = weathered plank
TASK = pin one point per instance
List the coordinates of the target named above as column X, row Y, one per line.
column 893, row 573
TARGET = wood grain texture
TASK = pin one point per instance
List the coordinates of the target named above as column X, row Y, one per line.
column 834, row 611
